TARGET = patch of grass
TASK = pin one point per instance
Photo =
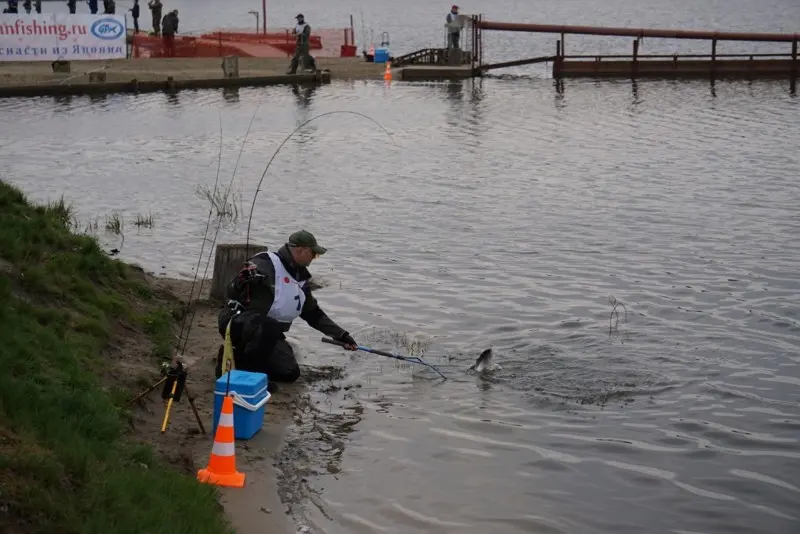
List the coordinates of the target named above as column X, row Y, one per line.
column 114, row 224
column 223, row 206
column 66, row 464
column 158, row 325
column 144, row 221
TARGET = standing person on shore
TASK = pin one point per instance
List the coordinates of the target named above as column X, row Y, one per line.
column 454, row 25
column 155, row 9
column 72, row 5
column 135, row 14
column 27, row 5
column 302, row 56
column 92, row 6
column 13, row 7
column 169, row 27
column 270, row 292
column 37, row 5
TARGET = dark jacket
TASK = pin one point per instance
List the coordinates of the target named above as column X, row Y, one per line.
column 303, row 37
column 169, row 24
column 257, row 296
column 155, row 10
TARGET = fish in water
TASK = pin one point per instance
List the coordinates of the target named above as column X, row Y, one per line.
column 484, row 362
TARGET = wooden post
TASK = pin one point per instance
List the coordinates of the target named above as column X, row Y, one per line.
column 230, row 66
column 228, row 260
column 713, row 57
column 557, row 61
column 634, row 66
column 61, row 65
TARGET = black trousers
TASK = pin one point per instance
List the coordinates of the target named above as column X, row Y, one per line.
column 454, row 36
column 266, row 352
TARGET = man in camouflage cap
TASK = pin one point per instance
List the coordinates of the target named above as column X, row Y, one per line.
column 265, row 297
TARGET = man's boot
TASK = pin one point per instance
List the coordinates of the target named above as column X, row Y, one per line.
column 292, row 67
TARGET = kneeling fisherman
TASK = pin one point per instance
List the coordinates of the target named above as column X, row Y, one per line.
column 270, row 292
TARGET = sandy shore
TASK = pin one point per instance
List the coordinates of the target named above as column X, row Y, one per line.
column 158, row 69
column 276, row 467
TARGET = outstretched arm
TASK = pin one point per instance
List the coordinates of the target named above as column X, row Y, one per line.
column 316, row 318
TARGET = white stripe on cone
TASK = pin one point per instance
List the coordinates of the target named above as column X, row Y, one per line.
column 222, row 449
column 226, row 420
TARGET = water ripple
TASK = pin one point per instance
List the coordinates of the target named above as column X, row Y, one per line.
column 513, row 209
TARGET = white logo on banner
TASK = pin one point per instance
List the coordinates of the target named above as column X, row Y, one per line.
column 61, row 36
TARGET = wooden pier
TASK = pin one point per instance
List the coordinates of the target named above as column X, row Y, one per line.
column 779, row 64
column 441, row 63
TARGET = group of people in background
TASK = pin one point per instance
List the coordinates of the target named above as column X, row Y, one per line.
column 109, row 6
column 27, row 5
column 166, row 25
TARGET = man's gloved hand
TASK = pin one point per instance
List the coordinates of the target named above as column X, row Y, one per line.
column 347, row 339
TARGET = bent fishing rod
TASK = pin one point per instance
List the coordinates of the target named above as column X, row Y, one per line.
column 286, row 140
column 188, row 319
column 409, row 359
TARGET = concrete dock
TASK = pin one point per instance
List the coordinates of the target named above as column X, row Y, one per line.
column 36, row 78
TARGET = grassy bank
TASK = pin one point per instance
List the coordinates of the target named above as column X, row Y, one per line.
column 67, row 463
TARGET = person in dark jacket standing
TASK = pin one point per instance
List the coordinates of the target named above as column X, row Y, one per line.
column 169, row 27
column 270, row 292
column 155, row 10
column 302, row 56
column 454, row 27
column 135, row 14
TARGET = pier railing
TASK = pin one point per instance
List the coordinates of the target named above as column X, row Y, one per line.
column 749, row 64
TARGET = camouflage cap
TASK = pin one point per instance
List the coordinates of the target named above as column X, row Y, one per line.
column 302, row 238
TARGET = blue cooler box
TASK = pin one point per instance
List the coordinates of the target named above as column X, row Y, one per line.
column 250, row 397
column 381, row 55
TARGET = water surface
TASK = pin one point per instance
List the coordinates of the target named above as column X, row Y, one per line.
column 507, row 214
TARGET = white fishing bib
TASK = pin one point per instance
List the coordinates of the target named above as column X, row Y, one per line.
column 289, row 295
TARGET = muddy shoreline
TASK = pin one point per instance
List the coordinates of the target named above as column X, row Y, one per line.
column 303, row 434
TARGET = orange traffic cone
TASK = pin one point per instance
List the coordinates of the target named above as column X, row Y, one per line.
column 387, row 75
column 221, row 469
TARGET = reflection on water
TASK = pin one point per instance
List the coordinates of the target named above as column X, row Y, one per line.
column 508, row 214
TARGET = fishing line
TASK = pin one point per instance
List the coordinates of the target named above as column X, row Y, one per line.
column 286, row 139
column 189, row 317
column 205, row 236
column 219, row 222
